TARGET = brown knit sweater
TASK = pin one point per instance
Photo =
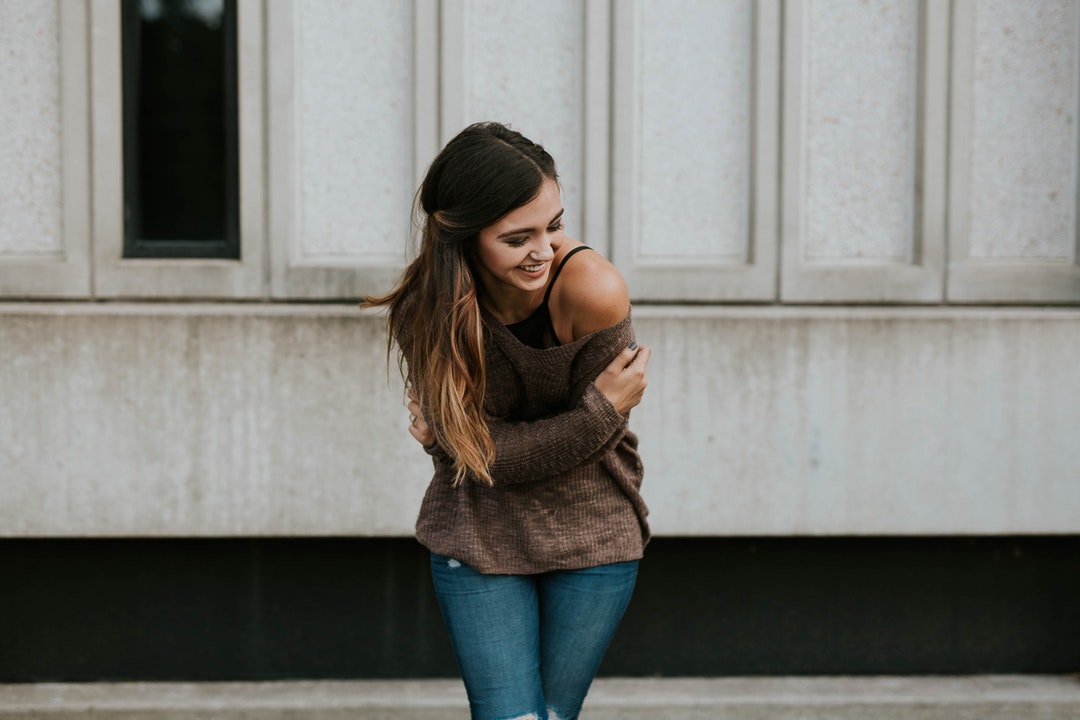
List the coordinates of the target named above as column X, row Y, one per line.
column 567, row 473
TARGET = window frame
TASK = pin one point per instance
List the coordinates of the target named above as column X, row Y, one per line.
column 193, row 278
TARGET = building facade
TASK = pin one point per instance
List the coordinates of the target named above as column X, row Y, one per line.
column 850, row 235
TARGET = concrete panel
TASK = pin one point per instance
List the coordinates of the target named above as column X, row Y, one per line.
column 862, row 421
column 696, row 104
column 1023, row 133
column 31, row 189
column 249, row 420
column 862, row 100
column 144, row 421
column 354, row 120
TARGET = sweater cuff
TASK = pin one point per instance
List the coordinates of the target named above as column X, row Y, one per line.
column 604, row 411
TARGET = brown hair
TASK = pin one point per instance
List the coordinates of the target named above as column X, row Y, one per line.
column 483, row 173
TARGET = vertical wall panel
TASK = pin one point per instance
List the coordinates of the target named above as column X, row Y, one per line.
column 353, row 65
column 30, row 153
column 695, row 149
column 864, row 148
column 861, row 122
column 1023, row 135
column 350, row 85
column 523, row 63
column 44, row 248
column 695, row 158
column 1015, row 153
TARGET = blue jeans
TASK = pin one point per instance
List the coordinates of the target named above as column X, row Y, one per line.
column 528, row 646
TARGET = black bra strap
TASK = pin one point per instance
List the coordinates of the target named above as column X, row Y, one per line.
column 558, row 270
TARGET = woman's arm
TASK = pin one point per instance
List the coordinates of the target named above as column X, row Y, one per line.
column 530, row 450
column 534, row 449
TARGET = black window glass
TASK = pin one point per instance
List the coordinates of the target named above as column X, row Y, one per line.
column 180, row 129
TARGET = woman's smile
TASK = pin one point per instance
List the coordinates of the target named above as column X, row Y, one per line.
column 514, row 254
column 534, row 269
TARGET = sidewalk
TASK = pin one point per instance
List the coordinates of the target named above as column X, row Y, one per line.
column 988, row 697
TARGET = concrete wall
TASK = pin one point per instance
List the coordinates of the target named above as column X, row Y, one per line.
column 278, row 420
column 854, row 174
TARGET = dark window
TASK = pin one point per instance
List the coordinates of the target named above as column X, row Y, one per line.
column 181, row 188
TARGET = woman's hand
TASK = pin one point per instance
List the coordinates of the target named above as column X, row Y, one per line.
column 418, row 427
column 623, row 381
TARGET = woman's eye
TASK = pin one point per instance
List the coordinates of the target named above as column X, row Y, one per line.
column 518, row 242
column 556, row 227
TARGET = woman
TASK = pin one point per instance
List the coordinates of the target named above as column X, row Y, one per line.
column 517, row 348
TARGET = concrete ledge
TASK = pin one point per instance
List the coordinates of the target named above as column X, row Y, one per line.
column 211, row 420
column 986, row 697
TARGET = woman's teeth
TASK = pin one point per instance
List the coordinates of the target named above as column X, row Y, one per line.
column 532, row 268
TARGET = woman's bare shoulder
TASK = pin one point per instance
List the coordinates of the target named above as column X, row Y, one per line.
column 590, row 295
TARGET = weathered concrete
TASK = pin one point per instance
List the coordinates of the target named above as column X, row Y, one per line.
column 880, row 698
column 193, row 420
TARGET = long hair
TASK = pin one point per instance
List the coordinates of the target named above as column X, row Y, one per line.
column 483, row 173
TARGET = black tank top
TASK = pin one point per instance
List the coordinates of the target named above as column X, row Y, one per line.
column 537, row 330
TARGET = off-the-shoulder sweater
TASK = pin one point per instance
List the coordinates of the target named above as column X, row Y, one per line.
column 567, row 472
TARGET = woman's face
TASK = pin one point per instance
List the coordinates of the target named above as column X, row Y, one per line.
column 514, row 254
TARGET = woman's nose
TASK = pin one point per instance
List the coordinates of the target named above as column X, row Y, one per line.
column 544, row 252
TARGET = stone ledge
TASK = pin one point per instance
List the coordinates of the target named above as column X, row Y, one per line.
column 207, row 420
column 988, row 697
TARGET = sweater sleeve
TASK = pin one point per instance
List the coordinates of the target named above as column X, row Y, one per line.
column 532, row 450
column 537, row 448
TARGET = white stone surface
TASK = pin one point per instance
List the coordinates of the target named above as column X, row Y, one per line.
column 862, row 422
column 194, row 420
column 31, row 198
column 695, row 100
column 202, row 422
column 860, row 130
column 979, row 697
column 354, row 121
column 1024, row 134
column 524, row 66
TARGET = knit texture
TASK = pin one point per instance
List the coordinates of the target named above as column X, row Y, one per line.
column 567, row 472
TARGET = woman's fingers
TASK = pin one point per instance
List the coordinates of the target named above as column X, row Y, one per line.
column 418, row 427
column 424, row 436
column 623, row 381
column 640, row 358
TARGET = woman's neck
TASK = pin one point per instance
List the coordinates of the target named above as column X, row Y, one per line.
column 510, row 307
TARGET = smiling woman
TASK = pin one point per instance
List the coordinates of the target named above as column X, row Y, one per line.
column 519, row 354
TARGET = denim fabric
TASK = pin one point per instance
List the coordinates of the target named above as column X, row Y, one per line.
column 530, row 644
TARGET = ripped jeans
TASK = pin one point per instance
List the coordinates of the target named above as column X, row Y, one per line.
column 528, row 646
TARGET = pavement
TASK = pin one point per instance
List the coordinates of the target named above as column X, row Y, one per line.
column 979, row 697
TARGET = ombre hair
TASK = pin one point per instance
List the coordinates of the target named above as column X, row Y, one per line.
column 485, row 172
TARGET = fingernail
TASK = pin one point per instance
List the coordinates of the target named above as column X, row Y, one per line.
column 633, row 345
